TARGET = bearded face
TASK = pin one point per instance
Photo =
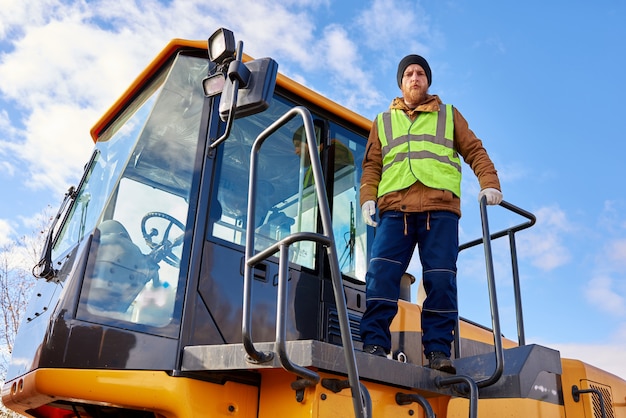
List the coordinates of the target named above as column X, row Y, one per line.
column 414, row 85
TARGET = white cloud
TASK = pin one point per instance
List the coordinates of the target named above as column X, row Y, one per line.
column 6, row 232
column 494, row 43
column 7, row 136
column 601, row 291
column 43, row 68
column 14, row 13
column 388, row 23
column 22, row 251
column 617, row 254
column 510, row 171
column 20, row 254
column 612, row 219
column 607, row 288
column 343, row 62
column 603, row 356
column 57, row 150
column 268, row 28
column 340, row 52
column 545, row 243
column 62, row 90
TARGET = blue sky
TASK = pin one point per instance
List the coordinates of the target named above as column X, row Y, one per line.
column 540, row 82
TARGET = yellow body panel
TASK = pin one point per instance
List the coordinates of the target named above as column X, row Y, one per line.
column 584, row 377
column 178, row 397
column 146, row 390
column 278, row 400
column 507, row 408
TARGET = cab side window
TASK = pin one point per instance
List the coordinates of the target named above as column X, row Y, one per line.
column 347, row 149
column 286, row 201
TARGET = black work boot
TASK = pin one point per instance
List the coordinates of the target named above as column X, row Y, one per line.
column 439, row 361
column 375, row 350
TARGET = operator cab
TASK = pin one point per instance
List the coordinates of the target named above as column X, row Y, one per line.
column 148, row 256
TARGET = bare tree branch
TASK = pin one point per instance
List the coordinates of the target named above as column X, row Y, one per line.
column 16, row 284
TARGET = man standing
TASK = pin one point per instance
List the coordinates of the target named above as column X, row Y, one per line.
column 412, row 172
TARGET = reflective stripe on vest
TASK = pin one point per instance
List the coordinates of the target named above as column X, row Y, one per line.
column 419, row 150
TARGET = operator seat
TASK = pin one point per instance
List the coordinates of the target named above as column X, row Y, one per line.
column 120, row 269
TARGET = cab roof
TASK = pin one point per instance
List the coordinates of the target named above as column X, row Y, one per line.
column 176, row 45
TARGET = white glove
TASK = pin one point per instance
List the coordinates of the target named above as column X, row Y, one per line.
column 368, row 210
column 494, row 196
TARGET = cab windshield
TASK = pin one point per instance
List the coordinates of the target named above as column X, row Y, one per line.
column 134, row 198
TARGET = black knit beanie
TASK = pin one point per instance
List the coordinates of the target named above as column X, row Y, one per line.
column 413, row 59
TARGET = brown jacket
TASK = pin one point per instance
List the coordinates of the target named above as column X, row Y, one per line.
column 418, row 197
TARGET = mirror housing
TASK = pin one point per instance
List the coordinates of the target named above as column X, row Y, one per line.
column 256, row 80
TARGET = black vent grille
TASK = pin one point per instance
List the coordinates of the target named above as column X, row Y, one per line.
column 608, row 401
column 333, row 330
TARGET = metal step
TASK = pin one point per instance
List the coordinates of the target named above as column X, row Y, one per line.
column 322, row 356
column 530, row 371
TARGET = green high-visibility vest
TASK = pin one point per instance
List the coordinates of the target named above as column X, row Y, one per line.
column 420, row 150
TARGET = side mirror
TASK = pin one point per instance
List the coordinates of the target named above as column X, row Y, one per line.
column 256, row 87
column 246, row 88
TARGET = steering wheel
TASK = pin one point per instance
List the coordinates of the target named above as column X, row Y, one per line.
column 162, row 250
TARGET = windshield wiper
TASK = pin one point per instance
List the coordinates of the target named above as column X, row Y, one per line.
column 44, row 269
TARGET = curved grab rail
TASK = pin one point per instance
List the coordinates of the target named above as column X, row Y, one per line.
column 409, row 398
column 576, row 396
column 506, row 205
column 472, row 387
column 361, row 410
column 491, row 283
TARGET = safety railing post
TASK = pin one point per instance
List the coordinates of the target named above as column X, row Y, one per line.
column 359, row 392
column 493, row 299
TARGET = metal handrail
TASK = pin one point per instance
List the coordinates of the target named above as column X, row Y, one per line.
column 491, row 283
column 409, row 398
column 359, row 392
column 472, row 386
column 576, row 396
column 506, row 205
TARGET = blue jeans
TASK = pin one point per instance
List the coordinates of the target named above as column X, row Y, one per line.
column 437, row 236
